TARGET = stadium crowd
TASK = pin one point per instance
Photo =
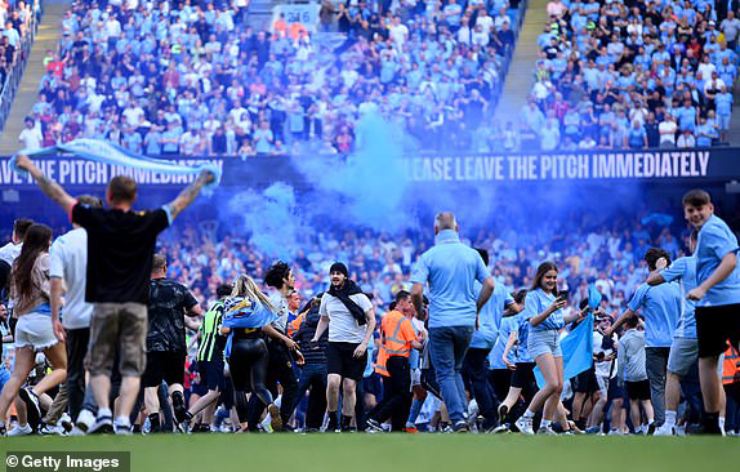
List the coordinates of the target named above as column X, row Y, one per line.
column 15, row 21
column 632, row 75
column 267, row 321
column 183, row 78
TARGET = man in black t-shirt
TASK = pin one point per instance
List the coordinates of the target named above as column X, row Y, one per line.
column 120, row 246
column 171, row 306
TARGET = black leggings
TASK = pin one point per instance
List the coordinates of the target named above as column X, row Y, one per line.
column 248, row 366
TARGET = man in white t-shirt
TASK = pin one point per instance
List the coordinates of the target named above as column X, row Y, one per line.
column 31, row 137
column 68, row 275
column 398, row 32
column 667, row 130
column 188, row 142
column 342, row 309
column 134, row 115
column 485, row 21
column 605, row 368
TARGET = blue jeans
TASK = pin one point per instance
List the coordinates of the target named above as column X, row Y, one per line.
column 313, row 376
column 447, row 348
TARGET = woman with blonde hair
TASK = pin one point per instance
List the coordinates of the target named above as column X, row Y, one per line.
column 248, row 315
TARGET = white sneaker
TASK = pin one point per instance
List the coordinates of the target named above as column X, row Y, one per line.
column 122, row 428
column 665, row 431
column 19, row 430
column 525, row 425
column 85, row 420
column 66, row 422
column 616, row 432
column 52, row 430
column 546, row 431
column 102, row 425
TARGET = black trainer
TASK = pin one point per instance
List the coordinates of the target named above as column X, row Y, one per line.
column 102, row 425
column 461, row 427
column 32, row 406
column 373, row 426
column 333, row 423
column 178, row 405
column 503, row 412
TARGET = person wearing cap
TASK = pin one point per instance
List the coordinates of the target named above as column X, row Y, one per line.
column 350, row 317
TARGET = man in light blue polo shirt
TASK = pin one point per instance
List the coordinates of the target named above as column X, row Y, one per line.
column 661, row 307
column 684, row 349
column 451, row 269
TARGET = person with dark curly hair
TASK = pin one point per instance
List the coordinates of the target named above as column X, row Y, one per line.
column 280, row 281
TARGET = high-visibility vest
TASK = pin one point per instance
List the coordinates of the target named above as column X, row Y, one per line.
column 392, row 345
column 731, row 366
column 295, row 325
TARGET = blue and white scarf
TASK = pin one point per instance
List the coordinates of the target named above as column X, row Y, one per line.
column 108, row 153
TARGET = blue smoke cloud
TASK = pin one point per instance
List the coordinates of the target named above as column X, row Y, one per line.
column 371, row 190
column 367, row 190
column 270, row 219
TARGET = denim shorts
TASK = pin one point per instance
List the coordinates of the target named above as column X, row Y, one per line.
column 544, row 342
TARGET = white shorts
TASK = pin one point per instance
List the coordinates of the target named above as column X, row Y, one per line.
column 415, row 377
column 603, row 382
column 34, row 330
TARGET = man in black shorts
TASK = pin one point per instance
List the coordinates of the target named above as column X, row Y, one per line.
column 210, row 359
column 350, row 317
column 585, row 386
column 631, row 362
column 170, row 307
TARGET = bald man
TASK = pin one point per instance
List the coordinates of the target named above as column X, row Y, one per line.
column 450, row 269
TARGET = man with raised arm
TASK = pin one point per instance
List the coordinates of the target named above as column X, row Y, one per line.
column 120, row 249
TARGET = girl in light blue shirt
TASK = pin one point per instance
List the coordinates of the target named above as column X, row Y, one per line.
column 543, row 311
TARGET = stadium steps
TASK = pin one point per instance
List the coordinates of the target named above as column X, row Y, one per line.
column 733, row 135
column 27, row 94
column 260, row 14
column 519, row 78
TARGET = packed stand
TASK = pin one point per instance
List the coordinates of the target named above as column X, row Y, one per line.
column 638, row 75
column 16, row 20
column 166, row 79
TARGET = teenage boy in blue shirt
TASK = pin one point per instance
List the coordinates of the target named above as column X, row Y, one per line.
column 717, row 297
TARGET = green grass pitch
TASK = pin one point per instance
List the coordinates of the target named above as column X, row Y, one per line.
column 405, row 452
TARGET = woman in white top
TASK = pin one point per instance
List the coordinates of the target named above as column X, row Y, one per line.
column 30, row 289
